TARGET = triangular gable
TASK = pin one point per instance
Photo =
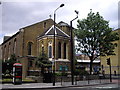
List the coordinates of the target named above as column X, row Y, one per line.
column 58, row 32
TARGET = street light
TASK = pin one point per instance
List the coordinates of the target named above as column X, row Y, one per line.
column 71, row 39
column 54, row 44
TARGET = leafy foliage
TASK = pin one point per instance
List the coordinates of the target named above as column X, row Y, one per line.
column 7, row 66
column 12, row 59
column 81, row 72
column 95, row 37
column 43, row 62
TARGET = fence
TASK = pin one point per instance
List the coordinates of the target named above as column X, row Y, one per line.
column 82, row 80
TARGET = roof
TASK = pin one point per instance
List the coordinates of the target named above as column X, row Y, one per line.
column 17, row 64
column 6, row 37
column 36, row 23
column 62, row 60
column 62, row 24
column 10, row 37
column 88, row 61
column 116, row 29
column 50, row 32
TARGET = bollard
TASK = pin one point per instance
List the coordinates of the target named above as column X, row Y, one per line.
column 61, row 80
column 76, row 80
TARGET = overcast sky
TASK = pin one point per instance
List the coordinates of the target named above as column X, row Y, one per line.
column 16, row 14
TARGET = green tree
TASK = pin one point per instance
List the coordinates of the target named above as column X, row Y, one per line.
column 7, row 65
column 43, row 62
column 12, row 59
column 95, row 37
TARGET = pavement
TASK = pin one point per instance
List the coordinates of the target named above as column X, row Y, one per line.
column 57, row 84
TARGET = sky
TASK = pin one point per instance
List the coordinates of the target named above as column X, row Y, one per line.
column 16, row 14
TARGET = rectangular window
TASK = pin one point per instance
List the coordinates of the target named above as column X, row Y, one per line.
column 66, row 68
column 60, row 67
column 30, row 63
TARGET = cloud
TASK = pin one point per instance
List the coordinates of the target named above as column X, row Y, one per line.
column 23, row 14
column 119, row 14
column 20, row 13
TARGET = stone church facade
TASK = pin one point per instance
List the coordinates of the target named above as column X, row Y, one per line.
column 30, row 41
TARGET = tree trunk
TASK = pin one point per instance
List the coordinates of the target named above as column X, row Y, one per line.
column 91, row 62
column 42, row 70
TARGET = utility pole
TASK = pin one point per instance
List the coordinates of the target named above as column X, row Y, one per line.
column 109, row 63
column 54, row 56
column 71, row 40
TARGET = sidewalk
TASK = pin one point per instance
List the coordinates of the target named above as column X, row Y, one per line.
column 50, row 85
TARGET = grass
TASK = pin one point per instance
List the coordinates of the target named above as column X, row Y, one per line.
column 28, row 80
column 10, row 80
column 6, row 80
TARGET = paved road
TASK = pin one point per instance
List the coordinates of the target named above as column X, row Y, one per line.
column 83, row 85
column 96, row 87
column 93, row 87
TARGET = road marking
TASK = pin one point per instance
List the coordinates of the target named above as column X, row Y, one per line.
column 77, row 87
column 6, row 84
column 103, row 87
column 27, row 84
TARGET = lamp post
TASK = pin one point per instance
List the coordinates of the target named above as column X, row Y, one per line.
column 71, row 39
column 54, row 57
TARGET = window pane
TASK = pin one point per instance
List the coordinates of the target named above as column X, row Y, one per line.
column 50, row 51
column 60, row 67
column 29, row 48
column 64, row 50
column 59, row 50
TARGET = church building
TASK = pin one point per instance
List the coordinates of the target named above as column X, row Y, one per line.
column 30, row 41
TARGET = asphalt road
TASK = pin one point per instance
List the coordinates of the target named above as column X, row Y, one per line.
column 94, row 87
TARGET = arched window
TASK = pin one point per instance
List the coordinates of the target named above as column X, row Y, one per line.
column 44, row 25
column 29, row 48
column 30, row 63
column 50, row 51
column 59, row 50
column 42, row 49
column 9, row 50
column 64, row 50
column 14, row 47
column 5, row 53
